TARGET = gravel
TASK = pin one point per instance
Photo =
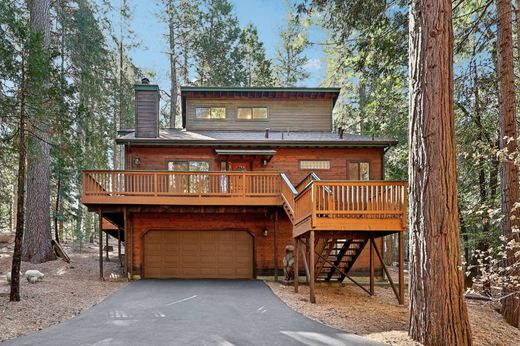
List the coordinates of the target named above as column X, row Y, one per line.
column 67, row 290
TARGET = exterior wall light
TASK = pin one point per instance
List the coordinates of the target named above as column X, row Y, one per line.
column 137, row 161
column 264, row 162
column 265, row 232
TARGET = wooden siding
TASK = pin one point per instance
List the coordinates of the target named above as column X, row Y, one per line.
column 283, row 115
column 254, row 223
column 286, row 160
column 147, row 114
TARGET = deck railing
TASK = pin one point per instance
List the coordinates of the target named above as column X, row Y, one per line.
column 324, row 201
column 180, row 184
column 325, row 204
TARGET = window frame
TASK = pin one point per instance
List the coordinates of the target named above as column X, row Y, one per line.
column 359, row 162
column 252, row 118
column 313, row 169
column 210, row 108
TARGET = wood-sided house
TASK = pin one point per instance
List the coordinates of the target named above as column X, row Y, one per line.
column 251, row 171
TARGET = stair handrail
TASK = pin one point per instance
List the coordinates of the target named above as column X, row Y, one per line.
column 289, row 200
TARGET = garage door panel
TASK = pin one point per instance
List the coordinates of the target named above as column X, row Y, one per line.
column 198, row 254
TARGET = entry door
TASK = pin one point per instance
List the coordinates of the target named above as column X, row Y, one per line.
column 237, row 183
column 240, row 166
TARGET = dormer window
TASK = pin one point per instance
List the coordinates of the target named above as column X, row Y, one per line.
column 252, row 113
column 210, row 113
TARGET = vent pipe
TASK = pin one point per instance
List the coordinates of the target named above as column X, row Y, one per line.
column 340, row 132
column 266, row 133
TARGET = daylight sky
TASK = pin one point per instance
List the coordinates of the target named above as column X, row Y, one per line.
column 267, row 15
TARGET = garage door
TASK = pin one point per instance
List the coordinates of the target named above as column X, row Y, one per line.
column 198, row 254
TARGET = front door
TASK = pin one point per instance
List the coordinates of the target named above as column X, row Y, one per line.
column 240, row 166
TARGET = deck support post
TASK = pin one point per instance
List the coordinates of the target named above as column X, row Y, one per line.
column 372, row 265
column 276, row 245
column 312, row 266
column 125, row 232
column 100, row 213
column 296, row 264
column 401, row 268
column 119, row 246
column 106, row 248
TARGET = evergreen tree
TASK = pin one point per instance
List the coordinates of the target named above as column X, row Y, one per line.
column 290, row 59
column 256, row 66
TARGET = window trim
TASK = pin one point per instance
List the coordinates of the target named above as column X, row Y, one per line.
column 359, row 168
column 253, row 119
column 210, row 118
column 314, row 160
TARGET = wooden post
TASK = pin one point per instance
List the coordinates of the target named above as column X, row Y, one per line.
column 101, row 245
column 401, row 268
column 106, row 248
column 119, row 246
column 125, row 229
column 296, row 263
column 276, row 245
column 372, row 265
column 312, row 265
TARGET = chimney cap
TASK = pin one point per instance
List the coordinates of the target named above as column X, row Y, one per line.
column 145, row 81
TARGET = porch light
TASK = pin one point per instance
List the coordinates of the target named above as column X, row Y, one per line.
column 264, row 162
column 137, row 161
column 265, row 232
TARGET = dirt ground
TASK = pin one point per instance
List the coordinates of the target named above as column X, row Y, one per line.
column 66, row 290
column 380, row 317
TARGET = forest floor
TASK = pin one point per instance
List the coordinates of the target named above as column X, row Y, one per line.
column 66, row 290
column 380, row 318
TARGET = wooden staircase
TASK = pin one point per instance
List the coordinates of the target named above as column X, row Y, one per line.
column 342, row 253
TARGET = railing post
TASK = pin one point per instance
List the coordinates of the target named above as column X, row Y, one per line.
column 155, row 184
column 244, row 184
column 313, row 204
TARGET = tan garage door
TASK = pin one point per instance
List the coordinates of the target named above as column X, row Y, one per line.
column 198, row 254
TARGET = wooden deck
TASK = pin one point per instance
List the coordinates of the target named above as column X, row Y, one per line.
column 312, row 204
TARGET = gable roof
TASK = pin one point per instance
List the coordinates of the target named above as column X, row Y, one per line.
column 182, row 137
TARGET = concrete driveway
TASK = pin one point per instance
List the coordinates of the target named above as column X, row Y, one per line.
column 191, row 312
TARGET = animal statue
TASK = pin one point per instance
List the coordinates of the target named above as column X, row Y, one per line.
column 34, row 276
column 288, row 263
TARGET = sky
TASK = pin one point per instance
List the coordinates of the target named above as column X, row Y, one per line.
column 267, row 15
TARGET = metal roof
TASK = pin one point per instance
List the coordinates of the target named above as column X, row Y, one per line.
column 244, row 152
column 262, row 89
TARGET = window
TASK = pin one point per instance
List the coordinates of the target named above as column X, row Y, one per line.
column 210, row 112
column 315, row 164
column 359, row 171
column 188, row 183
column 252, row 113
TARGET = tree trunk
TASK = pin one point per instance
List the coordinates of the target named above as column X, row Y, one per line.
column 17, row 253
column 173, row 64
column 37, row 246
column 508, row 170
column 57, row 209
column 438, row 312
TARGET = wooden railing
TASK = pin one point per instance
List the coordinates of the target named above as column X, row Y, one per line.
column 168, row 184
column 328, row 203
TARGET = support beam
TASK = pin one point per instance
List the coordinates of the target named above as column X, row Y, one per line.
column 312, row 264
column 125, row 229
column 276, row 245
column 401, row 268
column 100, row 213
column 372, row 266
column 106, row 248
column 296, row 264
column 386, row 272
column 119, row 246
column 304, row 256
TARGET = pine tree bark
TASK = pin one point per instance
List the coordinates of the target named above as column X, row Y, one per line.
column 438, row 312
column 20, row 197
column 508, row 170
column 37, row 246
